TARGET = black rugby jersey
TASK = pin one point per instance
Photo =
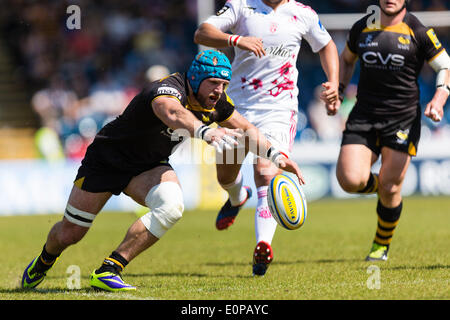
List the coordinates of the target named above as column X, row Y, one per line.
column 391, row 59
column 138, row 138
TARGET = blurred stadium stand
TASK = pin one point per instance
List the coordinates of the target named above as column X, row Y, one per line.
column 59, row 86
column 73, row 81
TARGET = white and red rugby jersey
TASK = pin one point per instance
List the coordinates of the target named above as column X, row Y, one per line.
column 269, row 82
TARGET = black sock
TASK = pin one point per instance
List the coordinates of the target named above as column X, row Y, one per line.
column 371, row 186
column 388, row 219
column 114, row 263
column 45, row 261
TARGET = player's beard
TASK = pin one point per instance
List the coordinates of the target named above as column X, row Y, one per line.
column 202, row 100
column 393, row 14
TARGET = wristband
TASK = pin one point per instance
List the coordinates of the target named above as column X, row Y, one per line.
column 446, row 87
column 274, row 155
column 233, row 40
column 199, row 133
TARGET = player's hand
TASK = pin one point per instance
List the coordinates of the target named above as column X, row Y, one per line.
column 435, row 108
column 333, row 108
column 222, row 138
column 252, row 44
column 330, row 96
column 290, row 166
column 330, row 92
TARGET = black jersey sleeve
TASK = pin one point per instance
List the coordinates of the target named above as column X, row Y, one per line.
column 168, row 87
column 224, row 108
column 427, row 40
column 353, row 35
column 429, row 43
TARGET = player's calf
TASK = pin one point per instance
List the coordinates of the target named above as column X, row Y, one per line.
column 165, row 201
column 388, row 219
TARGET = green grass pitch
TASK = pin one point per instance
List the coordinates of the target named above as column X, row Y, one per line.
column 322, row 260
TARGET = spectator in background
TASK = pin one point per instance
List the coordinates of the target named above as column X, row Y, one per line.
column 54, row 105
column 437, row 5
column 125, row 38
column 116, row 44
column 156, row 72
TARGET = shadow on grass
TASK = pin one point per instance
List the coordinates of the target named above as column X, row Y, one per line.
column 166, row 274
column 319, row 261
column 246, row 264
column 430, row 267
column 44, row 291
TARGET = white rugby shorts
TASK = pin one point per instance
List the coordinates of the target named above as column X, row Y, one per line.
column 278, row 126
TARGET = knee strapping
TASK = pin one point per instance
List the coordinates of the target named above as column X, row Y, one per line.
column 165, row 201
column 78, row 217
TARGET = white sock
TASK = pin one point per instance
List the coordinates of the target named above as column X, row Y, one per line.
column 236, row 191
column 265, row 224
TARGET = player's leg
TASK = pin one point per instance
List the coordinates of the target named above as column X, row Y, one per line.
column 399, row 138
column 159, row 190
column 353, row 169
column 229, row 176
column 393, row 169
column 360, row 149
column 80, row 212
column 280, row 128
column 265, row 224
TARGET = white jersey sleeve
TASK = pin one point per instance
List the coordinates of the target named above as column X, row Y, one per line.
column 227, row 17
column 317, row 36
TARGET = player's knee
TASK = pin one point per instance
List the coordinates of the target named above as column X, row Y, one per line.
column 166, row 208
column 224, row 178
column 227, row 175
column 350, row 182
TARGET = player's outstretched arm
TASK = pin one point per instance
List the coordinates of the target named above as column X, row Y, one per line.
column 209, row 35
column 257, row 143
column 329, row 59
column 175, row 116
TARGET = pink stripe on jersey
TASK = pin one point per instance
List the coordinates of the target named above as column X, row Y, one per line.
column 292, row 130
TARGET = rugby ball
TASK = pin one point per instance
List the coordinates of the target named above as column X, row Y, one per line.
column 287, row 202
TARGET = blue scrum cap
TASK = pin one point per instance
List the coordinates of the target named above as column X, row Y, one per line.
column 208, row 64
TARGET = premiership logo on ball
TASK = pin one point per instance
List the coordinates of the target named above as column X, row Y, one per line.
column 287, row 202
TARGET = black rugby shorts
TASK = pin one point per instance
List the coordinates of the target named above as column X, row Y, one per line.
column 95, row 175
column 401, row 132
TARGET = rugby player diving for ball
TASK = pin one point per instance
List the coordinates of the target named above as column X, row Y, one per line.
column 130, row 155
